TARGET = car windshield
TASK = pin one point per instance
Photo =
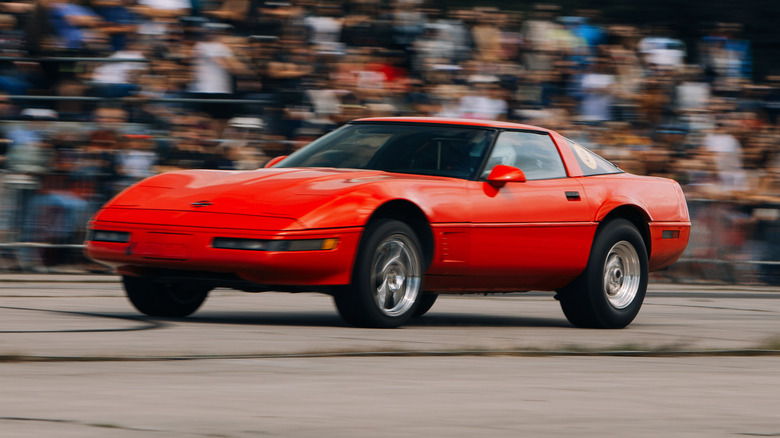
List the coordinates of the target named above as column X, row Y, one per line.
column 422, row 149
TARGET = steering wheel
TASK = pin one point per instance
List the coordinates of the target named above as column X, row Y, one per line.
column 439, row 155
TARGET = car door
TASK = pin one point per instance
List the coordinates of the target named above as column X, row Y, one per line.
column 537, row 228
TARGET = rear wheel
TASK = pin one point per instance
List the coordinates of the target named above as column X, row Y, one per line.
column 164, row 299
column 610, row 292
column 387, row 280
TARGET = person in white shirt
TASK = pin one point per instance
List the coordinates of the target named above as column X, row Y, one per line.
column 118, row 79
column 727, row 154
column 485, row 102
column 214, row 66
column 597, row 88
column 211, row 69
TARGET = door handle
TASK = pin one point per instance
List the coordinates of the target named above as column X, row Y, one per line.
column 573, row 196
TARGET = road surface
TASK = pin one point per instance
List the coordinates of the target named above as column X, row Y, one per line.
column 77, row 361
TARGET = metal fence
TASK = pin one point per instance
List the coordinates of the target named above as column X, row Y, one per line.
column 43, row 220
column 731, row 242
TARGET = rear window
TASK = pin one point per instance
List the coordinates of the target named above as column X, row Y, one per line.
column 590, row 163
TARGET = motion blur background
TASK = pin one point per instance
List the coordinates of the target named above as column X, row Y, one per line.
column 98, row 94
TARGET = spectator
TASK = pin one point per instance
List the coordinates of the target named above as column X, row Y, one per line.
column 693, row 92
column 725, row 56
column 662, row 52
column 598, row 94
column 214, row 67
column 585, row 27
column 485, row 101
column 540, row 30
column 487, row 35
column 115, row 79
column 164, row 11
column 120, row 21
column 76, row 27
column 325, row 29
column 12, row 80
column 408, row 22
column 237, row 13
column 284, row 76
column 135, row 160
column 280, row 19
column 96, row 165
column 727, row 156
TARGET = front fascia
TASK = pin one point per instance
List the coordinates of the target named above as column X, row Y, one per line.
column 189, row 248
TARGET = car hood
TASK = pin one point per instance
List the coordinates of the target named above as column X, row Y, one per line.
column 286, row 192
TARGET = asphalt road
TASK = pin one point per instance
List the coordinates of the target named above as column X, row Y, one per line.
column 77, row 361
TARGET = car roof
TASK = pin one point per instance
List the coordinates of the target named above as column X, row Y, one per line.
column 454, row 121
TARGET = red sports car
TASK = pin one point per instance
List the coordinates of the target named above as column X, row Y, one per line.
column 386, row 213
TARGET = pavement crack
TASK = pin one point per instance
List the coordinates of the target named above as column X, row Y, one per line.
column 629, row 352
column 103, row 426
column 75, row 423
column 695, row 306
column 759, row 434
column 40, row 420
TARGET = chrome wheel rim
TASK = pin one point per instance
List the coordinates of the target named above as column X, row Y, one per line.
column 395, row 275
column 622, row 275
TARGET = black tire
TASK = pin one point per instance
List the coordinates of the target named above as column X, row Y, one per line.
column 426, row 302
column 610, row 292
column 387, row 278
column 163, row 299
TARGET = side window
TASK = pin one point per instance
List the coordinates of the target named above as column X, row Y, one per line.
column 534, row 154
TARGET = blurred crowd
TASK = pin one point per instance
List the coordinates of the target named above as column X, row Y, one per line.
column 229, row 84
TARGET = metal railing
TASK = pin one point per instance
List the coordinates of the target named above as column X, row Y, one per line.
column 70, row 59
column 132, row 99
column 729, row 242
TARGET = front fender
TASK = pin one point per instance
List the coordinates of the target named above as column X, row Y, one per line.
column 440, row 202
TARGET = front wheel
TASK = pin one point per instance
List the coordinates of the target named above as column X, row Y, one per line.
column 426, row 302
column 163, row 299
column 387, row 280
column 610, row 292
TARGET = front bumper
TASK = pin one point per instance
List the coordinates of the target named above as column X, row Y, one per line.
column 189, row 248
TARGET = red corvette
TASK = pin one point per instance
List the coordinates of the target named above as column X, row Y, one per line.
column 384, row 214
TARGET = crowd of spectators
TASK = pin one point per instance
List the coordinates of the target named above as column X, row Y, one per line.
column 271, row 75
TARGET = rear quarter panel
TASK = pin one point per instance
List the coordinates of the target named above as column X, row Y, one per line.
column 660, row 201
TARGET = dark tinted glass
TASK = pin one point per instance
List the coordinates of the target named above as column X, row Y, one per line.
column 405, row 148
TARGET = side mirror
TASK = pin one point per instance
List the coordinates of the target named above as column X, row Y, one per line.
column 273, row 161
column 501, row 174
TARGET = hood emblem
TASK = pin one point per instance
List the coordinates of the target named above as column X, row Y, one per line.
column 201, row 204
